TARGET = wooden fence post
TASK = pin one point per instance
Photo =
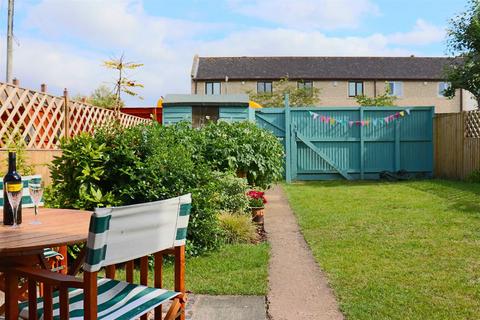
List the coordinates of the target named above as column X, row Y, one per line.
column 362, row 146
column 66, row 124
column 16, row 82
column 288, row 156
column 43, row 88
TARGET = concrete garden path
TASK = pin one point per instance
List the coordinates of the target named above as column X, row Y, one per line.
column 298, row 288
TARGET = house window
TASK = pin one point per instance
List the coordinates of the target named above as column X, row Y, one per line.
column 306, row 85
column 442, row 86
column 355, row 88
column 395, row 88
column 212, row 88
column 264, row 87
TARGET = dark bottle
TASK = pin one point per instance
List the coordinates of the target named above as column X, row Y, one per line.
column 11, row 176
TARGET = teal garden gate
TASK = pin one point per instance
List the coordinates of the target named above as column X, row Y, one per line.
column 326, row 143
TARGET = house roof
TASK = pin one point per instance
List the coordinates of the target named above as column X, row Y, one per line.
column 205, row 100
column 317, row 68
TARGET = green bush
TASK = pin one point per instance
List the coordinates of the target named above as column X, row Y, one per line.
column 145, row 163
column 233, row 197
column 243, row 146
column 237, row 228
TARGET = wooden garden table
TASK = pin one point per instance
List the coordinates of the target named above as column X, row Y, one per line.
column 24, row 246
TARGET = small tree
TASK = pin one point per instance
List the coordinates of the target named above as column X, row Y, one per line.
column 464, row 42
column 103, row 97
column 385, row 99
column 123, row 84
column 299, row 97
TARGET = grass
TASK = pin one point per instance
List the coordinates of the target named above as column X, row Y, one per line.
column 407, row 250
column 240, row 269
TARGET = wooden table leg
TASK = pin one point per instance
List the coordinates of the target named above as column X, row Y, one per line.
column 11, row 295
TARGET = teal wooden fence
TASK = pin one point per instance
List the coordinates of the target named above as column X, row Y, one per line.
column 359, row 143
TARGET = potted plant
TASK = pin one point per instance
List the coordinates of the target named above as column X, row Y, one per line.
column 257, row 200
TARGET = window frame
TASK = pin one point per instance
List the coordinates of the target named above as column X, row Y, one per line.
column 396, row 85
column 213, row 83
column 264, row 84
column 355, row 83
column 442, row 94
column 301, row 84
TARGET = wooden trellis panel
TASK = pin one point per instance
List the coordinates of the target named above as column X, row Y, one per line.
column 472, row 124
column 37, row 117
column 40, row 118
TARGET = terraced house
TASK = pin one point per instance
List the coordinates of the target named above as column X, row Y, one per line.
column 415, row 81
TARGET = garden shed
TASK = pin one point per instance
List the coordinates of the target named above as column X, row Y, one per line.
column 198, row 109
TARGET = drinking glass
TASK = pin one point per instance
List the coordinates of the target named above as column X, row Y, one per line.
column 35, row 187
column 14, row 194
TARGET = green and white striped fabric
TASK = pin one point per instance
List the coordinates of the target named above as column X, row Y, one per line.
column 49, row 253
column 121, row 234
column 26, row 199
column 117, row 300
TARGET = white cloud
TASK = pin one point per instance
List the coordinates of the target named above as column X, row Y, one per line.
column 423, row 33
column 301, row 14
column 278, row 42
column 75, row 38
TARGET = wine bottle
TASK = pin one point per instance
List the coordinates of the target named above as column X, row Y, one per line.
column 11, row 176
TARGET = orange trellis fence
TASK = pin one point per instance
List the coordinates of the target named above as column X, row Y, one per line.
column 42, row 119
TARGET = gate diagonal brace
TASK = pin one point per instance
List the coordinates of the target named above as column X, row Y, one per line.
column 322, row 155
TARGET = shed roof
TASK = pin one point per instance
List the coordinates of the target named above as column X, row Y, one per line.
column 317, row 68
column 206, row 100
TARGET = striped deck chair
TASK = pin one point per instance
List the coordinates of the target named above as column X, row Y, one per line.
column 117, row 235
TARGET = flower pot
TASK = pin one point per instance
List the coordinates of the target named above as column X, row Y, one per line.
column 257, row 214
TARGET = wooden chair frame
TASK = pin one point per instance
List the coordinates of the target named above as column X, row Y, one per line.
column 52, row 280
column 45, row 263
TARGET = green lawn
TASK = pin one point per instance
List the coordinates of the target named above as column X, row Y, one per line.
column 240, row 269
column 407, row 250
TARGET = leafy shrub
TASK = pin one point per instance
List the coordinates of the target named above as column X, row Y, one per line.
column 233, row 197
column 237, row 228
column 145, row 163
column 474, row 176
column 243, row 146
column 77, row 175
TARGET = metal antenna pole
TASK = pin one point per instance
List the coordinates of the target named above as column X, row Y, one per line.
column 10, row 41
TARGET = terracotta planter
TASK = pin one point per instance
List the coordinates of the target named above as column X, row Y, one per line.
column 257, row 214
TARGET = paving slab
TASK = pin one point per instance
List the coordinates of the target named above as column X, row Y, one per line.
column 298, row 289
column 229, row 307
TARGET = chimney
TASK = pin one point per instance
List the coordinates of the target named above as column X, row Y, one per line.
column 196, row 60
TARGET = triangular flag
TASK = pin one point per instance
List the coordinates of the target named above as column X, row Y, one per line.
column 323, row 119
column 315, row 116
column 408, row 111
column 402, row 113
column 350, row 123
column 386, row 119
column 332, row 121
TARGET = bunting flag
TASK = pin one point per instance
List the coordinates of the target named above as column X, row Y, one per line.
column 362, row 123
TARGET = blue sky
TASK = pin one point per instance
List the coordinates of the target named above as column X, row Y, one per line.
column 63, row 42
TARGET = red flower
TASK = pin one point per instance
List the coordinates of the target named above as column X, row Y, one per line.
column 254, row 194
